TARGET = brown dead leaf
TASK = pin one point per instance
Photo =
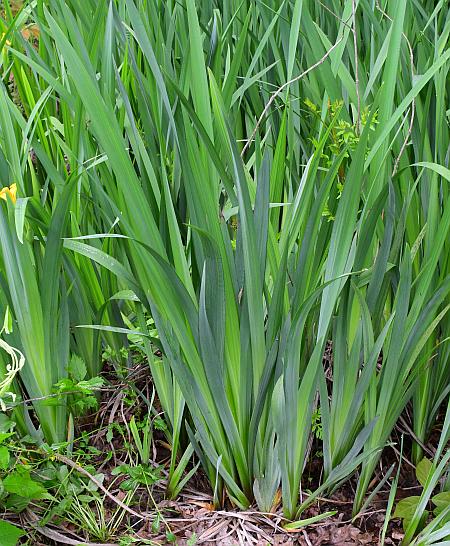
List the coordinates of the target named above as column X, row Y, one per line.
column 213, row 531
column 121, row 495
column 31, row 31
column 397, row 535
column 276, row 501
column 206, row 505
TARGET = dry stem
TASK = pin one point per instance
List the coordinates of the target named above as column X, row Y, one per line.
column 280, row 89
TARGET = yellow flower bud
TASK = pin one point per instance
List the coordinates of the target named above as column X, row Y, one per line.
column 11, row 191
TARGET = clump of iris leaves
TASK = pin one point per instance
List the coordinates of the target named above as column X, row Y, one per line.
column 235, row 189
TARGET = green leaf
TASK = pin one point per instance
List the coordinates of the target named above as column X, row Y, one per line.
column 303, row 522
column 10, row 533
column 5, row 435
column 170, row 537
column 19, row 213
column 199, row 80
column 423, row 470
column 441, row 501
column 406, row 507
column 16, row 503
column 7, row 321
column 4, row 457
column 293, row 37
column 115, row 329
column 77, row 368
column 156, row 524
column 21, row 483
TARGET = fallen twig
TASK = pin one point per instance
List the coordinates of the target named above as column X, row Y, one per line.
column 280, row 89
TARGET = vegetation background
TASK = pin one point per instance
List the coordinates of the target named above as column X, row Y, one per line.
column 224, row 271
